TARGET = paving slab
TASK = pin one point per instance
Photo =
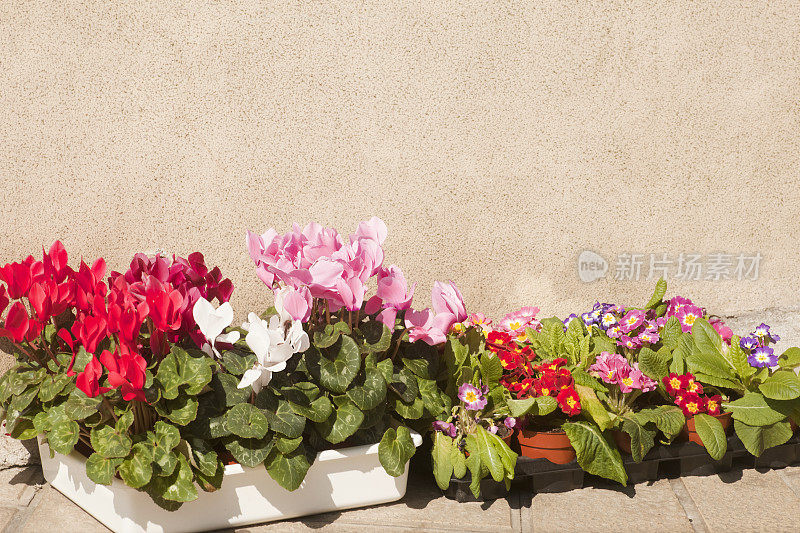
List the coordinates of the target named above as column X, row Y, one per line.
column 745, row 500
column 6, row 515
column 52, row 511
column 16, row 485
column 423, row 509
column 652, row 506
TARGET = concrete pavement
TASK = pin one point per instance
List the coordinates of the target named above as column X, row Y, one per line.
column 740, row 500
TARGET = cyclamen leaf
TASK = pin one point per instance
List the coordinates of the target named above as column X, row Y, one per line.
column 249, row 452
column 711, row 433
column 335, row 367
column 181, row 410
column 371, row 392
column 51, row 386
column 247, row 421
column 226, row 388
column 109, row 443
column 288, row 470
column 237, row 364
column 412, row 411
column 279, row 414
column 345, row 420
column 64, row 436
column 404, row 383
column 395, row 450
column 101, row 469
column 79, row 406
column 286, row 445
column 377, row 337
column 136, row 470
column 178, row 487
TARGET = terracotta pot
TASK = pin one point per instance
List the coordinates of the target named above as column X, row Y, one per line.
column 622, row 440
column 551, row 445
column 689, row 430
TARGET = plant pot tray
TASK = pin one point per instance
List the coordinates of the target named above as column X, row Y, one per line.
column 338, row 479
column 680, row 459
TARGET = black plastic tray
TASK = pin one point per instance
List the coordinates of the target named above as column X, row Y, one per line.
column 680, row 459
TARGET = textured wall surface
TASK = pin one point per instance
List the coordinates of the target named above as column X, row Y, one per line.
column 496, row 139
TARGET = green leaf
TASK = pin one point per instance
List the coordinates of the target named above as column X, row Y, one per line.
column 782, row 385
column 519, row 408
column 316, row 409
column 711, row 433
column 247, row 421
column 491, row 368
column 226, row 388
column 101, row 469
column 671, row 334
column 286, row 445
column 477, row 469
column 79, row 406
column 594, row 407
column 595, row 454
column 459, row 462
column 710, row 363
column 669, row 419
column 136, row 470
column 249, row 452
column 377, row 337
column 642, row 438
column 179, row 486
column 412, row 411
column 52, row 385
column 288, row 470
column 653, row 364
column 753, row 410
column 435, row 401
column 739, row 358
column 371, row 391
column 237, row 364
column 64, row 436
column 489, row 455
column 658, row 294
column 161, row 441
column 404, row 383
column 109, row 442
column 279, row 414
column 582, row 377
column 335, row 367
column 790, row 358
column 395, row 450
column 181, row 410
column 442, row 455
column 344, row 422
column 682, row 350
column 759, row 438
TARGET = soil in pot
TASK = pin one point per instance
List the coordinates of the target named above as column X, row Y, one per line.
column 552, row 445
column 690, row 432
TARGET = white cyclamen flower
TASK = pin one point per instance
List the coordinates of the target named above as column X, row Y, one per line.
column 212, row 322
column 273, row 343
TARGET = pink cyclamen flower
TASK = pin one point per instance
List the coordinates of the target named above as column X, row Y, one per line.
column 296, row 302
column 447, row 298
column 393, row 289
column 472, row 397
column 632, row 320
column 422, row 325
column 687, row 315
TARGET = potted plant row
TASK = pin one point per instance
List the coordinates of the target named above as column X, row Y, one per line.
column 155, row 412
column 614, row 390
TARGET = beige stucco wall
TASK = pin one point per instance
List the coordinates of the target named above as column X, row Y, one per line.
column 496, row 139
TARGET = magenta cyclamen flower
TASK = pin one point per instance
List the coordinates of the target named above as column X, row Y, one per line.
column 472, row 397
